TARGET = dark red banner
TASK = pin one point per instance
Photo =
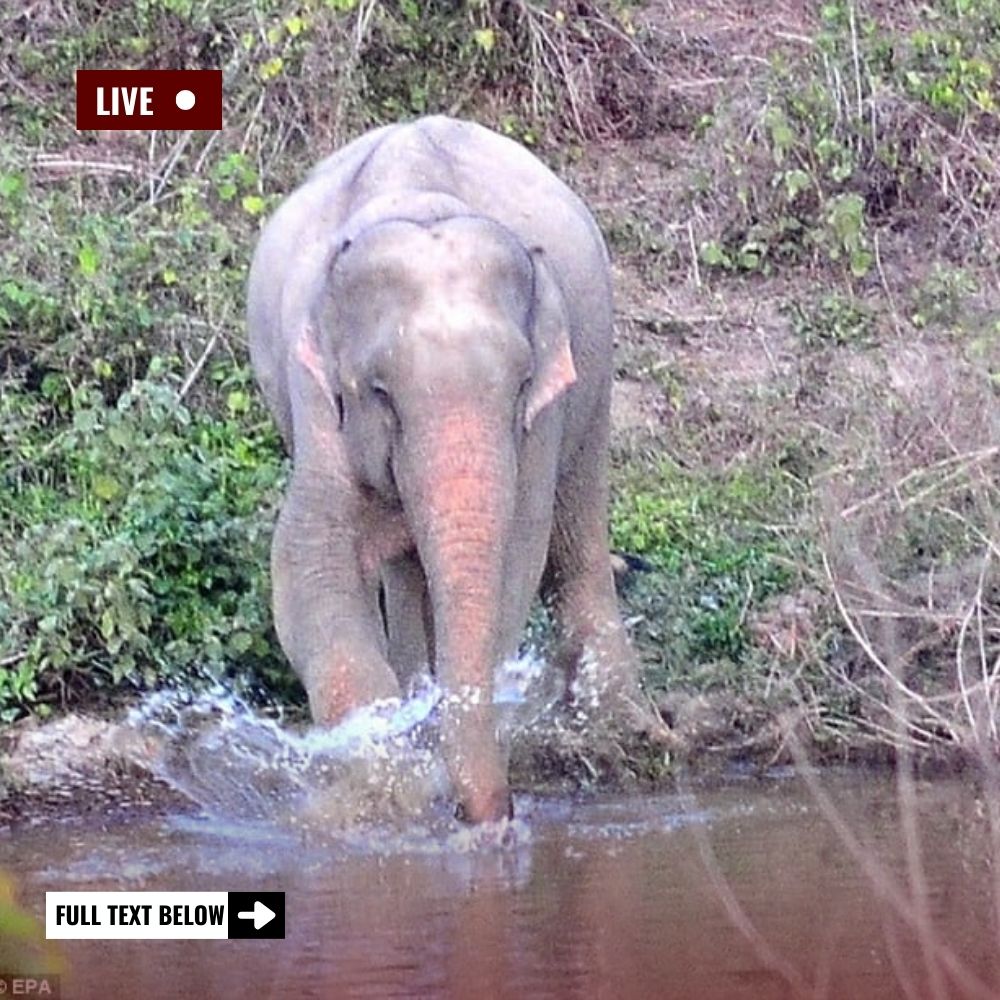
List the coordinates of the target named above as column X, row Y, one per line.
column 149, row 98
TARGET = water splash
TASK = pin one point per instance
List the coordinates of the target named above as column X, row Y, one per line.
column 380, row 767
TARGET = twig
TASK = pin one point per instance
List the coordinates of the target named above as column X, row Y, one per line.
column 52, row 162
column 198, row 366
column 258, row 107
column 974, row 528
column 882, row 881
column 365, row 11
column 916, row 872
column 674, row 319
column 852, row 19
column 171, row 163
column 37, row 100
column 612, row 29
column 206, row 149
column 865, row 643
column 917, row 737
column 708, row 81
column 152, row 160
column 766, row 348
column 768, row 956
column 885, row 285
column 792, row 37
column 694, row 256
column 969, row 458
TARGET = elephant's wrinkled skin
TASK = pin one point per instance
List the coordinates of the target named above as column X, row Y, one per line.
column 430, row 322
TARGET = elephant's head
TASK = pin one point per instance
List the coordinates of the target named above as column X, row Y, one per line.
column 445, row 341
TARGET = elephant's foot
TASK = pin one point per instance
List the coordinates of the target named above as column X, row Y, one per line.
column 635, row 715
column 492, row 807
column 477, row 765
column 604, row 692
column 625, row 709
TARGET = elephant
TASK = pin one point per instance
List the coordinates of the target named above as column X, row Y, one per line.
column 430, row 323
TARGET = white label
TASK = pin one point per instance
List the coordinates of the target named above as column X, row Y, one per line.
column 129, row 915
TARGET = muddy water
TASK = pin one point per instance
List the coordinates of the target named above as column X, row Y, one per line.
column 748, row 889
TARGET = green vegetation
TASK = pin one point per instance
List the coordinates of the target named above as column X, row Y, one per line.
column 718, row 545
column 136, row 539
column 834, row 319
column 941, row 299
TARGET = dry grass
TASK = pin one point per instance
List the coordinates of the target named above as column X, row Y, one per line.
column 909, row 529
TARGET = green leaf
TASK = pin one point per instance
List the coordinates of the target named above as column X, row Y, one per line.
column 485, row 39
column 796, row 181
column 15, row 293
column 11, row 185
column 827, row 148
column 121, row 436
column 240, row 642
column 750, row 255
column 782, row 135
column 107, row 624
column 713, row 255
column 106, row 487
column 846, row 215
column 270, row 69
column 89, row 260
column 122, row 667
column 861, row 262
column 238, row 401
column 842, row 170
column 253, row 204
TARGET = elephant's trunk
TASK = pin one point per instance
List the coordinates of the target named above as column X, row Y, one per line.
column 459, row 492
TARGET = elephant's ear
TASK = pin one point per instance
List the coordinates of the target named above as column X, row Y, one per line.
column 554, row 368
column 307, row 354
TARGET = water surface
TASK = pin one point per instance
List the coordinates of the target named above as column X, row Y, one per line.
column 751, row 888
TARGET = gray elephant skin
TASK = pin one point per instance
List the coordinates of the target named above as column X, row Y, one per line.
column 430, row 321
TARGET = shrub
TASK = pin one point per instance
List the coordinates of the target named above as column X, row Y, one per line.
column 133, row 540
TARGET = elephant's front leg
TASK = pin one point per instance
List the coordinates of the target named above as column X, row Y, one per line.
column 602, row 671
column 325, row 603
